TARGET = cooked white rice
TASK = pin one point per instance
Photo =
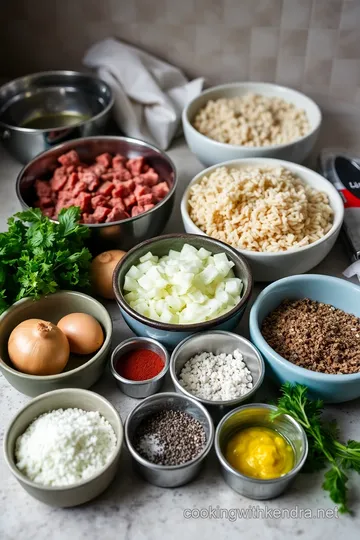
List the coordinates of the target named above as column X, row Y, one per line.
column 252, row 120
column 259, row 209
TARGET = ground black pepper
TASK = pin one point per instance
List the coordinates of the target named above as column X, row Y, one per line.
column 170, row 437
column 315, row 336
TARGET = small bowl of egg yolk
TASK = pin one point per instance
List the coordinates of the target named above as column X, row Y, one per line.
column 260, row 456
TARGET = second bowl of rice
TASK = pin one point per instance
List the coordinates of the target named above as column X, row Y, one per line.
column 283, row 217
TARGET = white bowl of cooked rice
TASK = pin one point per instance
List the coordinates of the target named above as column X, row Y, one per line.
column 251, row 119
column 283, row 217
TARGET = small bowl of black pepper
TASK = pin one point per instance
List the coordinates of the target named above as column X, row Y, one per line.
column 169, row 436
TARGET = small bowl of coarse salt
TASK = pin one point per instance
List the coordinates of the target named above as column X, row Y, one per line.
column 64, row 446
column 220, row 369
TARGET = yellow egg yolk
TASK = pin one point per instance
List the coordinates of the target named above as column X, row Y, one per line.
column 260, row 452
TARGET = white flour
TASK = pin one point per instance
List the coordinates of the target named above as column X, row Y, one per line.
column 65, row 446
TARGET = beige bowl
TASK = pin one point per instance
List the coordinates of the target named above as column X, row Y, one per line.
column 80, row 492
column 81, row 371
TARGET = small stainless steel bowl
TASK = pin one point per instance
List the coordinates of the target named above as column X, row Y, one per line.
column 217, row 342
column 139, row 389
column 52, row 94
column 258, row 414
column 122, row 234
column 162, row 475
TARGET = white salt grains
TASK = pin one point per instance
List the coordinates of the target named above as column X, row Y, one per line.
column 220, row 377
column 65, row 446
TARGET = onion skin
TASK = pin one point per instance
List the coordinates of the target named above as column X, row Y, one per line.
column 84, row 332
column 38, row 347
column 102, row 270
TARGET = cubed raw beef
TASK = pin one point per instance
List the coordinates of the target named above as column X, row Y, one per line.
column 148, row 207
column 64, row 196
column 129, row 201
column 104, row 159
column 130, row 185
column 98, row 169
column 106, row 188
column 150, row 178
column 43, row 188
column 135, row 165
column 90, row 178
column 89, row 219
column 117, row 214
column 71, row 181
column 71, row 158
column 107, row 176
column 160, row 190
column 64, row 203
column 139, row 181
column 46, row 202
column 118, row 161
column 99, row 200
column 120, row 191
column 80, row 186
column 100, row 214
column 136, row 210
column 49, row 211
column 122, row 174
column 84, row 201
column 59, row 179
column 141, row 190
column 117, row 201
column 145, row 199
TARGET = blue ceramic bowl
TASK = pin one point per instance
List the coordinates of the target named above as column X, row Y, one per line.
column 329, row 290
column 170, row 335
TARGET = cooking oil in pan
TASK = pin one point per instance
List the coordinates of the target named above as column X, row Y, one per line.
column 55, row 120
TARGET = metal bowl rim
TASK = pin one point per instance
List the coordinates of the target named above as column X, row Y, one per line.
column 24, row 479
column 49, row 378
column 63, row 73
column 230, row 402
column 139, row 340
column 130, row 140
column 183, row 327
column 224, row 463
column 155, row 466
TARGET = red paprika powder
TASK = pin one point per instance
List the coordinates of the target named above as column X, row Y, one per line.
column 140, row 365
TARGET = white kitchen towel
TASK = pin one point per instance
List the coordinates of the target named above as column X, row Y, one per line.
column 353, row 270
column 149, row 93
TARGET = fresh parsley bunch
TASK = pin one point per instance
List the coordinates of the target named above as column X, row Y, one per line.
column 324, row 447
column 39, row 256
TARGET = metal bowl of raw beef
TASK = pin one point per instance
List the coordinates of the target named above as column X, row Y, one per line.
column 41, row 110
column 124, row 233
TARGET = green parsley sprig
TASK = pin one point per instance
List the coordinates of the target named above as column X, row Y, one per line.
column 39, row 256
column 324, row 447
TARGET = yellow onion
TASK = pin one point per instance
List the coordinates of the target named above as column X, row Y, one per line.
column 102, row 269
column 38, row 347
column 83, row 332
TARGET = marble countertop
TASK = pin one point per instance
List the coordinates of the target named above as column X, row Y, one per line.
column 132, row 509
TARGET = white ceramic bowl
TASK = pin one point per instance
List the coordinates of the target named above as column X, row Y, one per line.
column 272, row 266
column 211, row 152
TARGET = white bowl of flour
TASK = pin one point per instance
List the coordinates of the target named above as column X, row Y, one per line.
column 64, row 446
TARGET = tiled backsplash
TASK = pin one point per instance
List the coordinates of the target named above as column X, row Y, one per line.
column 313, row 45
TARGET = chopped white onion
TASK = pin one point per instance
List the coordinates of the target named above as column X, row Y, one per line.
column 183, row 287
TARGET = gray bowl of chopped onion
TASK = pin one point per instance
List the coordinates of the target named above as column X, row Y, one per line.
column 195, row 256
column 47, row 473
column 221, row 370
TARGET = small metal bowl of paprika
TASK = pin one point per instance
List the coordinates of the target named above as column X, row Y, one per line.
column 139, row 366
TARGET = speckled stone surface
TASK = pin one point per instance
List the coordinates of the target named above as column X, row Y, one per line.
column 131, row 509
